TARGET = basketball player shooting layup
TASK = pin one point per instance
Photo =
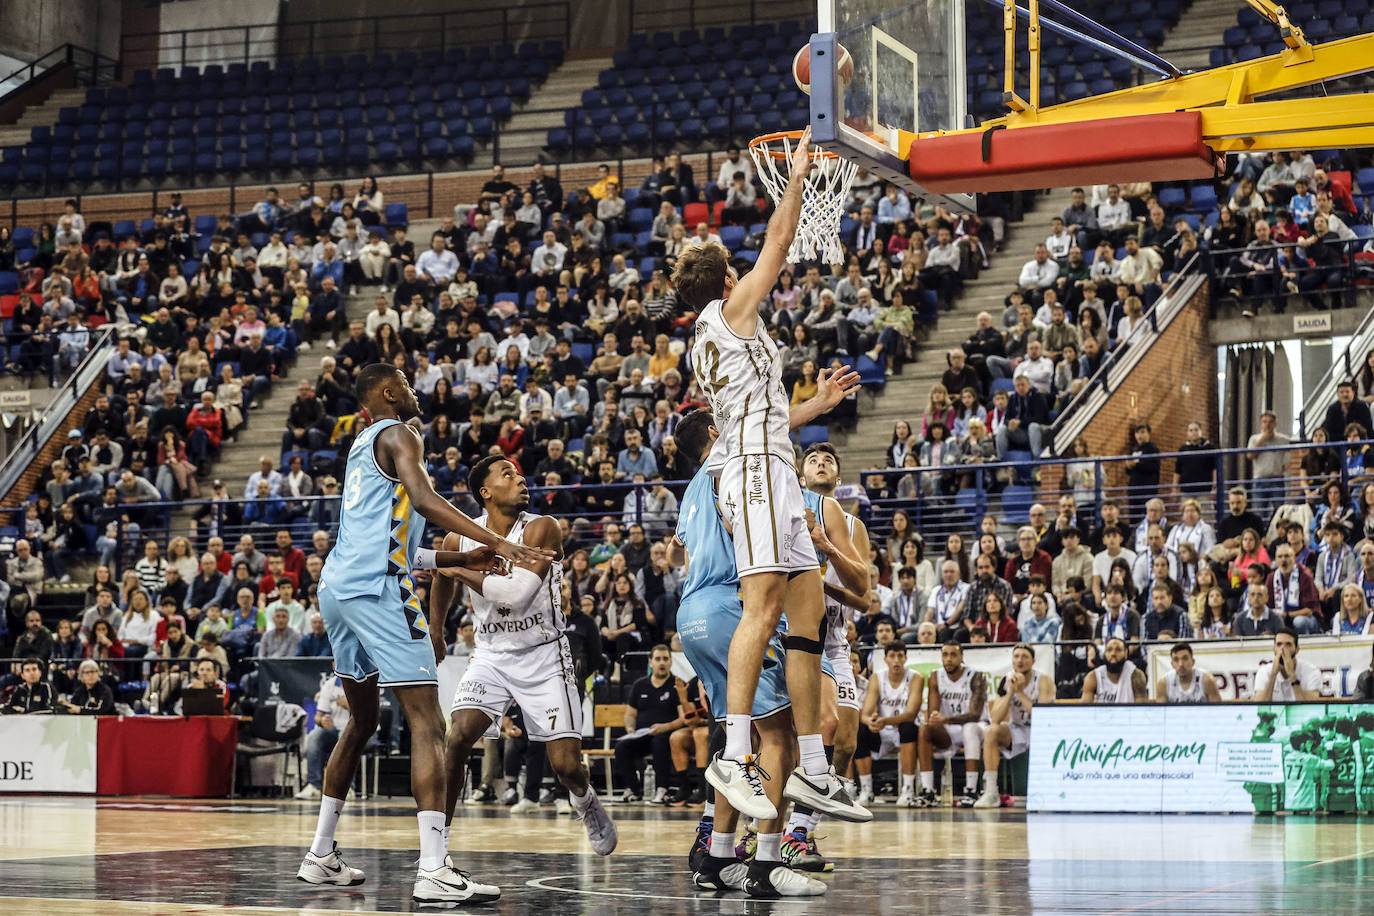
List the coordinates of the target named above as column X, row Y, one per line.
column 737, row 365
column 378, row 629
column 523, row 655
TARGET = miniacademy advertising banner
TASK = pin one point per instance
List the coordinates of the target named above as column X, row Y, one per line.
column 1238, row 757
column 1233, row 662
column 47, row 754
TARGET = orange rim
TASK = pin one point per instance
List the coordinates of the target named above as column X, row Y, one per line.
column 763, row 145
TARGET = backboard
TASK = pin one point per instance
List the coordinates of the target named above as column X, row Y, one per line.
column 909, row 78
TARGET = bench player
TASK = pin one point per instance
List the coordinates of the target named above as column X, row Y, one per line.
column 1117, row 680
column 523, row 655
column 738, row 366
column 1009, row 733
column 378, row 629
column 1186, row 683
column 892, row 707
column 845, row 576
column 708, row 614
column 954, row 713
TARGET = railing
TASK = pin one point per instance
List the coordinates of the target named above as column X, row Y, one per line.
column 89, row 67
column 88, row 372
column 1118, row 364
column 371, row 35
column 650, row 15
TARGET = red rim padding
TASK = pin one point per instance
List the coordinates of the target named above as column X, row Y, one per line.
column 1157, row 147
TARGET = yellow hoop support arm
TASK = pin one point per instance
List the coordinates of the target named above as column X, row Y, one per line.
column 1291, row 34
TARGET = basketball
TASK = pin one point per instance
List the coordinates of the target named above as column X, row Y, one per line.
column 801, row 68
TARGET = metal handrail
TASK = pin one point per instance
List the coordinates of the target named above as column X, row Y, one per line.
column 88, row 372
column 88, row 73
column 1075, row 416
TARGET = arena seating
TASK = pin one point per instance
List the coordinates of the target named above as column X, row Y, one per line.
column 1327, row 20
column 392, row 110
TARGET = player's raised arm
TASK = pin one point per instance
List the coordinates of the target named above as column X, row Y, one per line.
column 517, row 587
column 832, row 387
column 401, row 445
column 741, row 304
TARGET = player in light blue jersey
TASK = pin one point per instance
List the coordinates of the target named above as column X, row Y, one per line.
column 378, row 630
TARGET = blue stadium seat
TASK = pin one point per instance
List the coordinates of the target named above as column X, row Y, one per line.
column 397, row 214
column 813, row 434
column 1016, row 502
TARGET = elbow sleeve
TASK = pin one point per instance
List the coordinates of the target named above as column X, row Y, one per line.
column 515, row 590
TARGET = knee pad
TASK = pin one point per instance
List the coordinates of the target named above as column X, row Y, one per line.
column 802, row 644
column 907, row 732
column 973, row 738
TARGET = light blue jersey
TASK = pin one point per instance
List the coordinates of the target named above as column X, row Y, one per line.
column 815, row 502
column 378, row 528
column 710, row 550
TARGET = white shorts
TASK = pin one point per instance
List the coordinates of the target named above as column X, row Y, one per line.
column 1020, row 740
column 840, row 671
column 761, row 500
column 956, row 734
column 539, row 679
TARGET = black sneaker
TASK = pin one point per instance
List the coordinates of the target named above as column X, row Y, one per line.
column 484, row 793
column 725, row 874
column 701, row 846
column 678, row 796
column 927, row 799
column 968, row 798
column 697, row 796
column 771, row 880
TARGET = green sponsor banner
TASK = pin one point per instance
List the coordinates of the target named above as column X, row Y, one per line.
column 1223, row 758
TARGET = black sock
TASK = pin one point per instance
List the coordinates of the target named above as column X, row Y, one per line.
column 830, row 754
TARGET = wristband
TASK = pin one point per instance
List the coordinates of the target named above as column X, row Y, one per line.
column 424, row 558
column 1295, row 682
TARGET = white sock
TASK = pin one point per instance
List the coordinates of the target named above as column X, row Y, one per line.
column 330, row 809
column 770, row 847
column 813, row 755
column 866, row 783
column 722, row 845
column 927, row 780
column 431, row 839
column 446, row 830
column 739, row 739
column 908, row 783
column 971, row 781
column 990, row 780
column 584, row 801
column 710, row 810
column 803, row 822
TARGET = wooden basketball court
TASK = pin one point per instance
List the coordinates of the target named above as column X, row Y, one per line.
column 144, row 856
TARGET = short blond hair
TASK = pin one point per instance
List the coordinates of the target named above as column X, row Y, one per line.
column 699, row 275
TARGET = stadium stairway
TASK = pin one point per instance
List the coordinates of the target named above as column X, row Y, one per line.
column 44, row 115
column 524, row 135
column 1188, row 44
column 905, row 395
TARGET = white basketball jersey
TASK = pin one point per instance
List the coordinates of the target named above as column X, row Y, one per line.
column 1120, row 692
column 743, row 378
column 955, row 696
column 837, row 614
column 1018, row 714
column 892, row 700
column 1194, row 694
column 505, row 629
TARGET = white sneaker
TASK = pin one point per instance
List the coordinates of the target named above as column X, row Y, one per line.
column 660, row 796
column 989, row 799
column 774, row 879
column 601, row 831
column 825, row 794
column 66, row 579
column 524, row 806
column 739, row 781
column 561, row 806
column 308, row 793
column 906, row 800
column 447, row 884
column 329, row 344
column 865, row 797
column 303, row 346
column 330, row 869
column 509, row 796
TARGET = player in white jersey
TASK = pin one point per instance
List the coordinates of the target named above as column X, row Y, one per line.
column 1008, row 735
column 737, row 365
column 1186, row 683
column 378, row 629
column 954, row 719
column 1117, row 680
column 523, row 655
column 892, row 707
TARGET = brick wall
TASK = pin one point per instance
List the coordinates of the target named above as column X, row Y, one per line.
column 28, row 482
column 1173, row 385
column 428, row 195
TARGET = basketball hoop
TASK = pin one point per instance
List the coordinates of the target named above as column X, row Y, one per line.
column 823, row 196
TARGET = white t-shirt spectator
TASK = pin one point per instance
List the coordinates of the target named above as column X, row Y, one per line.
column 1110, row 215
column 1037, row 275
column 1039, row 372
column 1309, row 676
column 548, row 258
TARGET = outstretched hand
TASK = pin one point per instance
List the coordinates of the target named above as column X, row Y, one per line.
column 519, row 554
column 801, row 156
column 486, row 559
column 834, row 385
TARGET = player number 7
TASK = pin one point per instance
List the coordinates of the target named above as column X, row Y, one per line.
column 553, row 721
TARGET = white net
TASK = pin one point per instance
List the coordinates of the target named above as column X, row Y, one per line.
column 823, row 197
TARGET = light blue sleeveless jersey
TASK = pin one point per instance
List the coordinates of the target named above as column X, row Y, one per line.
column 813, row 501
column 378, row 528
column 710, row 551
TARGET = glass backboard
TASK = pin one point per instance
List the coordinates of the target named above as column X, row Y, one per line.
column 909, row 77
